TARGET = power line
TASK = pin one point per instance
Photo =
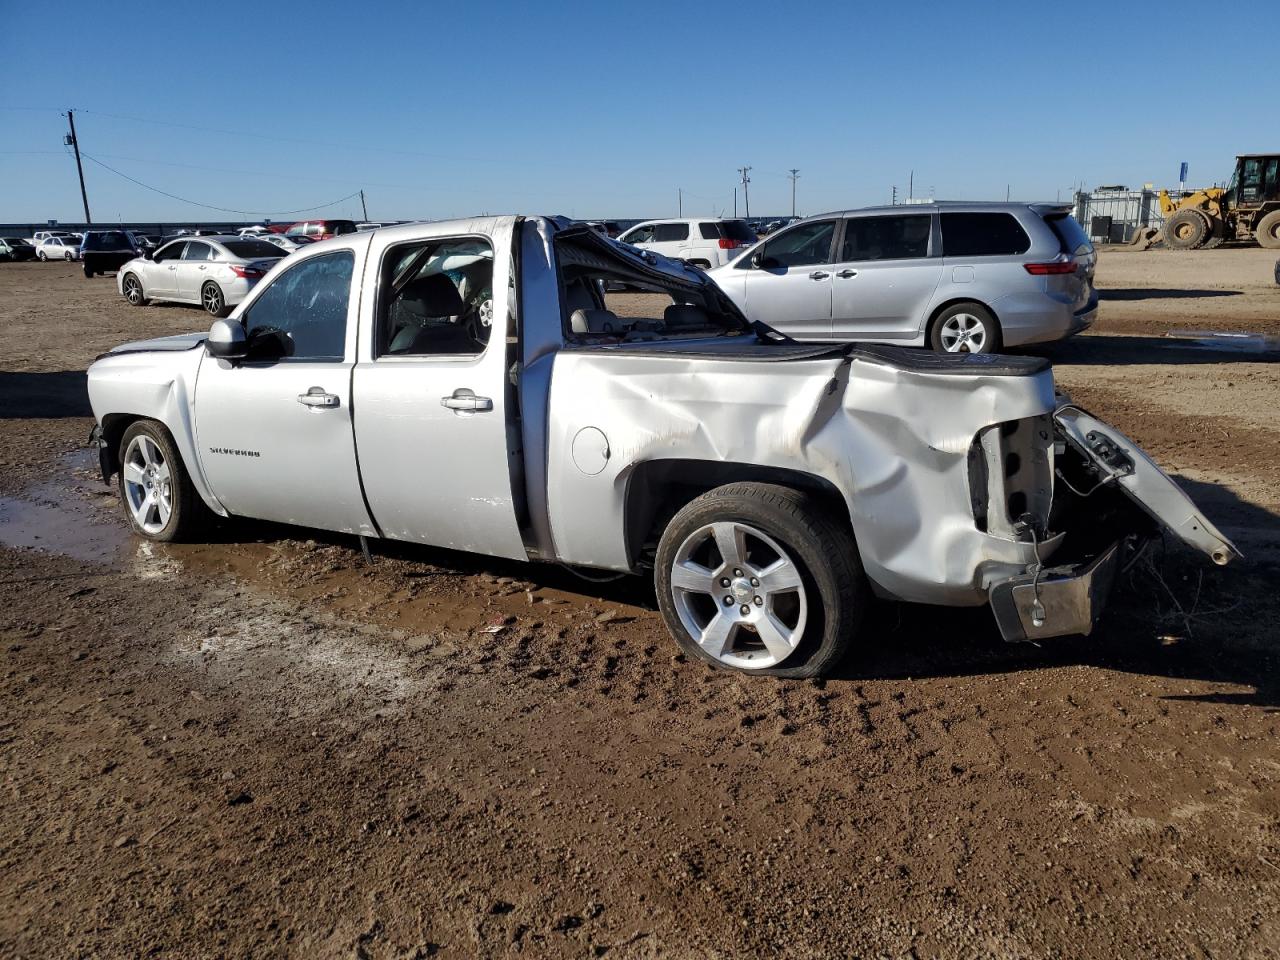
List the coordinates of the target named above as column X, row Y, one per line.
column 210, row 206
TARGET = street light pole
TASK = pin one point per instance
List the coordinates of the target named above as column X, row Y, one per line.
column 746, row 196
column 793, row 174
column 75, row 143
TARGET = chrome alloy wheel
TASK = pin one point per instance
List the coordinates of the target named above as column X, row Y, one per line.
column 963, row 333
column 739, row 595
column 148, row 488
column 132, row 290
column 211, row 297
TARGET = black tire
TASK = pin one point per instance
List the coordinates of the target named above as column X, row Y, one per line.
column 88, row 273
column 1268, row 231
column 188, row 513
column 1186, row 230
column 41, row 257
column 130, row 284
column 214, row 300
column 822, row 550
column 991, row 338
column 68, row 256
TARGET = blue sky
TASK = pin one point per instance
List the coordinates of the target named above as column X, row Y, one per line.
column 605, row 109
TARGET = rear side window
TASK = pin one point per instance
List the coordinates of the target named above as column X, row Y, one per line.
column 198, row 251
column 886, row 238
column 437, row 298
column 983, row 235
column 668, row 232
column 1070, row 234
column 309, row 304
column 709, row 231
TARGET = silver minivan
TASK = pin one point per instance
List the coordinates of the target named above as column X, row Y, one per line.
column 958, row 277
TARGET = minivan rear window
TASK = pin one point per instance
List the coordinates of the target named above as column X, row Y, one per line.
column 1072, row 236
column 738, row 230
column 983, row 235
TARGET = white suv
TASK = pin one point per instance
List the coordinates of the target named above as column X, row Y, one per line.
column 702, row 242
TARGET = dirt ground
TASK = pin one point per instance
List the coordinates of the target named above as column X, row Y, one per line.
column 265, row 747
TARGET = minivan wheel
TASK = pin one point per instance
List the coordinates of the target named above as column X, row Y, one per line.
column 154, row 485
column 215, row 304
column 762, row 579
column 965, row 328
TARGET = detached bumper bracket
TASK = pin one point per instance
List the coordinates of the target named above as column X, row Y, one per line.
column 1072, row 597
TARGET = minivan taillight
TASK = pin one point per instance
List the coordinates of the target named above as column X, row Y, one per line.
column 727, row 243
column 1053, row 268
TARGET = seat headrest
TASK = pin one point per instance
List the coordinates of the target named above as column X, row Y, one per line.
column 595, row 321
column 685, row 315
column 432, row 296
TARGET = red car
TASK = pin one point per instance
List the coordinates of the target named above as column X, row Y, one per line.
column 321, row 229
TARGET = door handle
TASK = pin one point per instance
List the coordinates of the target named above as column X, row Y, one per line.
column 202, row 266
column 819, row 275
column 846, row 274
column 466, row 401
column 316, row 397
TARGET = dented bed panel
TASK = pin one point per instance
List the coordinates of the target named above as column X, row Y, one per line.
column 894, row 442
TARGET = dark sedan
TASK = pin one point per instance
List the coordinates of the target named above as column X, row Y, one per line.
column 16, row 248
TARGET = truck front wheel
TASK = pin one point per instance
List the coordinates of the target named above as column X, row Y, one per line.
column 761, row 578
column 154, row 486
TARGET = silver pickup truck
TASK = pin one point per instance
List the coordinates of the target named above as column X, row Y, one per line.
column 525, row 388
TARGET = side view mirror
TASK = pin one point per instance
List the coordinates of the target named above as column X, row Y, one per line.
column 149, row 254
column 226, row 340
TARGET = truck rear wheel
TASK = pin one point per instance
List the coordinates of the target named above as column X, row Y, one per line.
column 1186, row 230
column 154, row 486
column 760, row 578
column 1268, row 230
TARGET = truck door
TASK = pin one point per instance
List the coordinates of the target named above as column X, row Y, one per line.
column 274, row 433
column 433, row 429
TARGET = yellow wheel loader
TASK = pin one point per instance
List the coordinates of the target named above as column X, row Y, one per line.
column 1248, row 209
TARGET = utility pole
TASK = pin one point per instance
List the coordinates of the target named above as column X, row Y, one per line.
column 1007, row 188
column 679, row 202
column 793, row 174
column 735, row 203
column 363, row 208
column 746, row 196
column 71, row 141
column 911, row 185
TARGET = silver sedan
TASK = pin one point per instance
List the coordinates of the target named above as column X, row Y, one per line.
column 213, row 272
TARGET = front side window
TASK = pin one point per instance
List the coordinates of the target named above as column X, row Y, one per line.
column 436, row 297
column 801, row 247
column 983, row 235
column 307, row 306
column 198, row 251
column 171, row 252
column 670, row 232
column 886, row 238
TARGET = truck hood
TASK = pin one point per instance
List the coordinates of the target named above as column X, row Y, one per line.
column 181, row 341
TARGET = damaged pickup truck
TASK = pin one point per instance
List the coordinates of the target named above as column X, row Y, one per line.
column 478, row 385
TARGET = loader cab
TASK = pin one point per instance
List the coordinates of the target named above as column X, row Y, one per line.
column 1256, row 180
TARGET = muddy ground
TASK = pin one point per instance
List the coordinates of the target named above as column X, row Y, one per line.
column 264, row 746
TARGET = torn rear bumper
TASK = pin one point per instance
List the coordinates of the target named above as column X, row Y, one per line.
column 1071, row 598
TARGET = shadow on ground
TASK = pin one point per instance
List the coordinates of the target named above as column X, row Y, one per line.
column 26, row 396
column 1153, row 293
column 1125, row 349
